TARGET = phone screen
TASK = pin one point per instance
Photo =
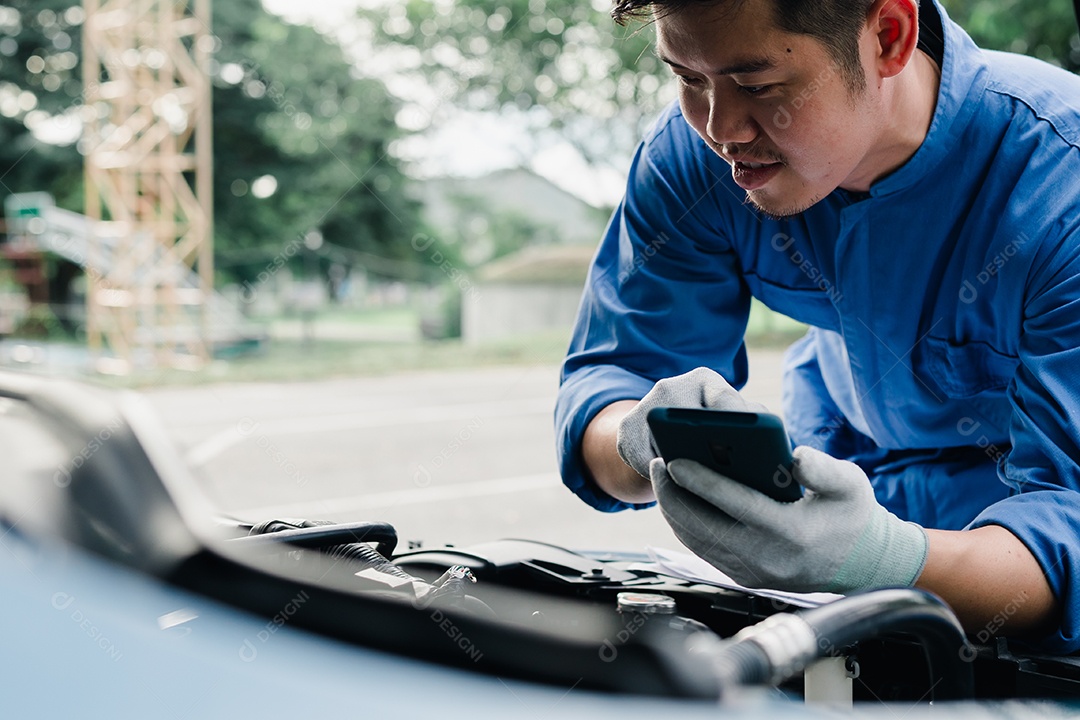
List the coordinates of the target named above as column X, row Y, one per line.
column 750, row 448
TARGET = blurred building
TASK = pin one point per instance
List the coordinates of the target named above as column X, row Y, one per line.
column 536, row 290
column 514, row 191
column 533, row 285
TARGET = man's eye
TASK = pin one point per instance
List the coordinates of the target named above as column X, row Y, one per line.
column 754, row 89
column 691, row 81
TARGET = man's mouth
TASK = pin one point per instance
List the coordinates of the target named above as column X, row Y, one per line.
column 753, row 175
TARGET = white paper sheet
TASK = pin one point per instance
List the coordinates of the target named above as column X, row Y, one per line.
column 690, row 567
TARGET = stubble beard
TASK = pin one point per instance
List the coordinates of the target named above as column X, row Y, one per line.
column 778, row 211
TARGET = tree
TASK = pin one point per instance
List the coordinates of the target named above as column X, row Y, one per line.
column 302, row 118
column 563, row 63
column 1046, row 29
column 39, row 80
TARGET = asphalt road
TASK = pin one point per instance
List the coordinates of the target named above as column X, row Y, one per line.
column 447, row 457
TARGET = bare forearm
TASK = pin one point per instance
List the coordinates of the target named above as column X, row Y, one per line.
column 598, row 449
column 991, row 580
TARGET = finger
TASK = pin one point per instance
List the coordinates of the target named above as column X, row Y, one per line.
column 696, row 522
column 634, row 441
column 715, row 391
column 757, row 407
column 681, row 502
column 825, row 474
column 686, row 390
column 733, row 498
column 708, row 532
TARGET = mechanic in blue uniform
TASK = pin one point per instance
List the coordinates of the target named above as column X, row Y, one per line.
column 860, row 166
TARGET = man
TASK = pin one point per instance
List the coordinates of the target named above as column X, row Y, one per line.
column 862, row 167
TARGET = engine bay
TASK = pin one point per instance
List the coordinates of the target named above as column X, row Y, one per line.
column 514, row 608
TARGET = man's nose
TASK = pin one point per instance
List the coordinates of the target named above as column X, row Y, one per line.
column 729, row 123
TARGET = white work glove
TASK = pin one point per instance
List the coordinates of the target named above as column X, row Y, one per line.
column 700, row 388
column 836, row 538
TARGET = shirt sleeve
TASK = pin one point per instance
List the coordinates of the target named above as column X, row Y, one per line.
column 1042, row 466
column 663, row 295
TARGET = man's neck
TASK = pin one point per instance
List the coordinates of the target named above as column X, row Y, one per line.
column 908, row 107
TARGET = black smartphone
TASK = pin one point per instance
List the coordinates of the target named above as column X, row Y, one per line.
column 750, row 448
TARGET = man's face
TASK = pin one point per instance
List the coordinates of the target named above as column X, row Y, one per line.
column 774, row 105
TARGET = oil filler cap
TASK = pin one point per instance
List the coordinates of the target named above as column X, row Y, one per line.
column 649, row 603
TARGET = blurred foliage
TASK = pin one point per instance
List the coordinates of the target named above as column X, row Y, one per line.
column 286, row 105
column 40, row 77
column 40, row 323
column 564, row 62
column 440, row 316
column 1046, row 29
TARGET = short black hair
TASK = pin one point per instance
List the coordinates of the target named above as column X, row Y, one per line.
column 837, row 24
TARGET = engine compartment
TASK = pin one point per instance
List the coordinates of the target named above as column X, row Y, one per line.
column 894, row 667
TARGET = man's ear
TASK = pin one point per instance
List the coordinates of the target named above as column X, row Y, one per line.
column 894, row 26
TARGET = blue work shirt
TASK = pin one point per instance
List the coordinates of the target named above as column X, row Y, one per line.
column 944, row 305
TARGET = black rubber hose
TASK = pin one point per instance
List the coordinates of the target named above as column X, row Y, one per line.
column 369, row 558
column 916, row 612
column 742, row 663
column 782, row 645
column 321, row 534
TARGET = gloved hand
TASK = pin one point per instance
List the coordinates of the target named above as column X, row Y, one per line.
column 700, row 388
column 836, row 538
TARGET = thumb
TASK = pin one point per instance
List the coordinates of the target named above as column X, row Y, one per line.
column 826, row 475
column 658, row 473
column 715, row 391
column 752, row 406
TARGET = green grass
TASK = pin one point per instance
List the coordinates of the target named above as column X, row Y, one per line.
column 296, row 360
column 767, row 329
column 373, row 317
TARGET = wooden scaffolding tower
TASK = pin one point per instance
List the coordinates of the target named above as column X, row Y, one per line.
column 148, row 154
